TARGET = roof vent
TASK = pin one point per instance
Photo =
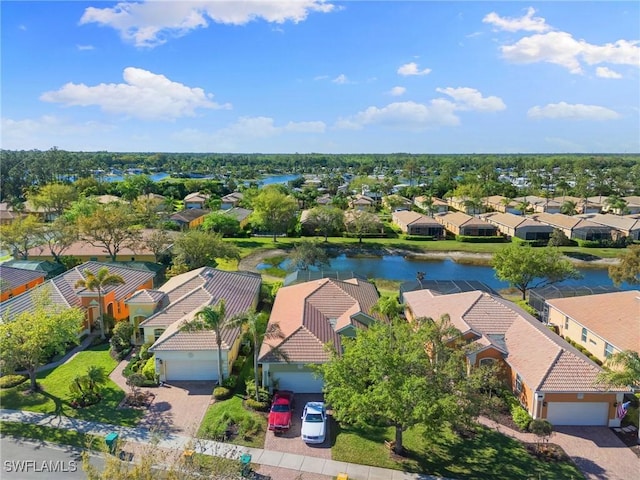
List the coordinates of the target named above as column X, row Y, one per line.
column 332, row 322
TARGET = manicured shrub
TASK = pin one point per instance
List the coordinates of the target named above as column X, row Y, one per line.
column 249, row 427
column 263, row 393
column 230, row 382
column 221, row 393
column 149, row 369
column 258, row 406
column 589, row 243
column 418, row 237
column 520, row 417
column 9, row 381
column 473, row 239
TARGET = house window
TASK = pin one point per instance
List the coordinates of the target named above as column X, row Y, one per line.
column 608, row 350
column 518, row 383
column 584, row 335
column 566, row 323
column 157, row 332
column 487, row 361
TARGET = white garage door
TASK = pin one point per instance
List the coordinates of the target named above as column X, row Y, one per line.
column 299, row 382
column 578, row 413
column 191, row 370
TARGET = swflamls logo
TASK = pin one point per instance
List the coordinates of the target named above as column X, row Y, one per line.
column 46, row 466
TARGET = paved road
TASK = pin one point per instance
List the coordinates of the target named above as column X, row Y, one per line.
column 26, row 460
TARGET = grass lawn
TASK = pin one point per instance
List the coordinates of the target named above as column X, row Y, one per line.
column 488, row 455
column 234, row 409
column 54, row 397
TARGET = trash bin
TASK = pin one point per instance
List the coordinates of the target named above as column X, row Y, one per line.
column 111, row 440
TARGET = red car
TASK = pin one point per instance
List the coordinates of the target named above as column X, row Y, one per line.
column 280, row 413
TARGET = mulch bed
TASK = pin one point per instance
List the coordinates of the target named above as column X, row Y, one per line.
column 142, row 401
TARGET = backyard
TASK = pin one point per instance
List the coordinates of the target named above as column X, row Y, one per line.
column 54, row 397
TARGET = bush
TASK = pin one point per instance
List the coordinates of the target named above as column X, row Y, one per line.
column 589, row 243
column 10, row 381
column 474, row 239
column 584, row 351
column 520, row 417
column 523, row 304
column 149, row 369
column 230, row 382
column 263, row 393
column 121, row 339
column 418, row 237
column 238, row 364
column 249, row 427
column 221, row 393
column 261, row 406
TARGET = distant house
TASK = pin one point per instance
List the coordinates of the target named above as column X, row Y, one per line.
column 231, row 201
column 362, row 202
column 63, row 291
column 540, row 204
column 243, row 215
column 14, row 281
column 604, row 324
column 437, row 206
column 498, row 203
column 463, row 204
column 633, row 204
column 551, row 379
column 574, row 227
column 196, row 200
column 413, row 223
column 190, row 217
column 459, row 223
column 396, row 202
column 324, row 199
column 622, row 226
column 312, row 315
column 106, row 199
column 47, row 268
column 7, row 214
column 525, row 228
column 583, row 205
column 159, row 314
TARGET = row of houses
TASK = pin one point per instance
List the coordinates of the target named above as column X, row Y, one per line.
column 551, row 378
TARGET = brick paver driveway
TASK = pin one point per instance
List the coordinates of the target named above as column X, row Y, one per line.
column 291, row 441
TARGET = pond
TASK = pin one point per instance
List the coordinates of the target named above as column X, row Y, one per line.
column 396, row 267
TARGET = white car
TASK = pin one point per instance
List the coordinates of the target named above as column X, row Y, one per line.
column 314, row 422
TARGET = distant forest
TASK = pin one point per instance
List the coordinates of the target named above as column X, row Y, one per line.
column 595, row 174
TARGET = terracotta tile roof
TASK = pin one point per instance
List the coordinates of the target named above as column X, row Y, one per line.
column 188, row 293
column 145, row 296
column 315, row 310
column 412, row 218
column 189, row 214
column 238, row 213
column 196, row 196
column 615, row 221
column 14, row 277
column 544, row 360
column 614, row 317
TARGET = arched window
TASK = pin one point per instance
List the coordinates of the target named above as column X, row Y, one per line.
column 487, row 361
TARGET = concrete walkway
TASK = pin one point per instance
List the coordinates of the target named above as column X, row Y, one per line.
column 297, row 463
column 597, row 451
column 86, row 342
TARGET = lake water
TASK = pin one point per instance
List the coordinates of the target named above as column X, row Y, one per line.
column 396, row 267
column 156, row 177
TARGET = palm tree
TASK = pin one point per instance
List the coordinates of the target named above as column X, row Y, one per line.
column 623, row 369
column 97, row 283
column 211, row 317
column 252, row 324
column 569, row 207
column 389, row 306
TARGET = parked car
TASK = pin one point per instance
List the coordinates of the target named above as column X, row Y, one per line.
column 280, row 413
column 314, row 422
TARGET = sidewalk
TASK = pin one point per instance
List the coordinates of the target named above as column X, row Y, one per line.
column 270, row 458
column 86, row 342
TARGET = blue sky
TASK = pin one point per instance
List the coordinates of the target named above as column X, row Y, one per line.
column 321, row 76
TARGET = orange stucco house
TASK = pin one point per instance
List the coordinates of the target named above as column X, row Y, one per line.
column 14, row 281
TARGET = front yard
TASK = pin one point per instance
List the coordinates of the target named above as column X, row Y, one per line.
column 54, row 398
column 488, row 454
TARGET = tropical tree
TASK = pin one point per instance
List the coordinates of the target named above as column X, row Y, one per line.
column 112, row 227
column 569, row 207
column 195, row 249
column 628, row 269
column 361, row 222
column 257, row 328
column 307, row 253
column 525, row 267
column 523, row 206
column 53, row 198
column 389, row 306
column 58, row 236
column 273, row 210
column 21, row 235
column 29, row 339
column 85, row 389
column 214, row 318
column 221, row 223
column 327, row 220
column 158, row 242
column 98, row 282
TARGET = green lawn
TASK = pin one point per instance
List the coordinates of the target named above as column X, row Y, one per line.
column 488, row 455
column 54, row 397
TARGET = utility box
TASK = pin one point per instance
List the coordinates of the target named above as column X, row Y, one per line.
column 111, row 440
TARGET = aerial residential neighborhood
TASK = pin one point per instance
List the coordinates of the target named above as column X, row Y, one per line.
column 320, row 240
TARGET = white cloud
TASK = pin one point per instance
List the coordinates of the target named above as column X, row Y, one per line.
column 471, row 99
column 144, row 95
column 562, row 49
column 605, row 72
column 264, row 127
column 341, row 79
column 412, row 69
column 568, row 111
column 397, row 91
column 85, row 47
column 527, row 22
column 405, row 115
column 149, row 24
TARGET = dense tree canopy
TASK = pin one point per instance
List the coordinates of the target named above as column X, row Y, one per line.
column 628, row 270
column 273, row 211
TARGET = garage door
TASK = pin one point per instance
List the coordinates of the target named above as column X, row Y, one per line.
column 299, row 382
column 191, row 370
column 578, row 413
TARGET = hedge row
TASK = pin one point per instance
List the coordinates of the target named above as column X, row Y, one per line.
column 474, row 239
column 590, row 355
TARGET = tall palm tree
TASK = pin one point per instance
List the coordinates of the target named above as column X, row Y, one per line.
column 622, row 370
column 211, row 317
column 252, row 323
column 97, row 282
column 569, row 207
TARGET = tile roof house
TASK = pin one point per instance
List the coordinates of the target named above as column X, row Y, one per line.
column 14, row 281
column 158, row 315
column 552, row 379
column 414, row 223
column 362, row 202
column 604, row 324
column 519, row 226
column 47, row 268
column 437, row 206
column 574, row 227
column 502, row 204
column 311, row 315
column 7, row 215
column 241, row 214
column 540, row 204
column 230, row 201
column 190, row 217
column 63, row 292
column 460, row 223
column 583, row 205
column 196, row 200
column 633, row 204
column 623, row 226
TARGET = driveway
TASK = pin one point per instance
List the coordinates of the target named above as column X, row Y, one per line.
column 291, row 441
column 178, row 407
